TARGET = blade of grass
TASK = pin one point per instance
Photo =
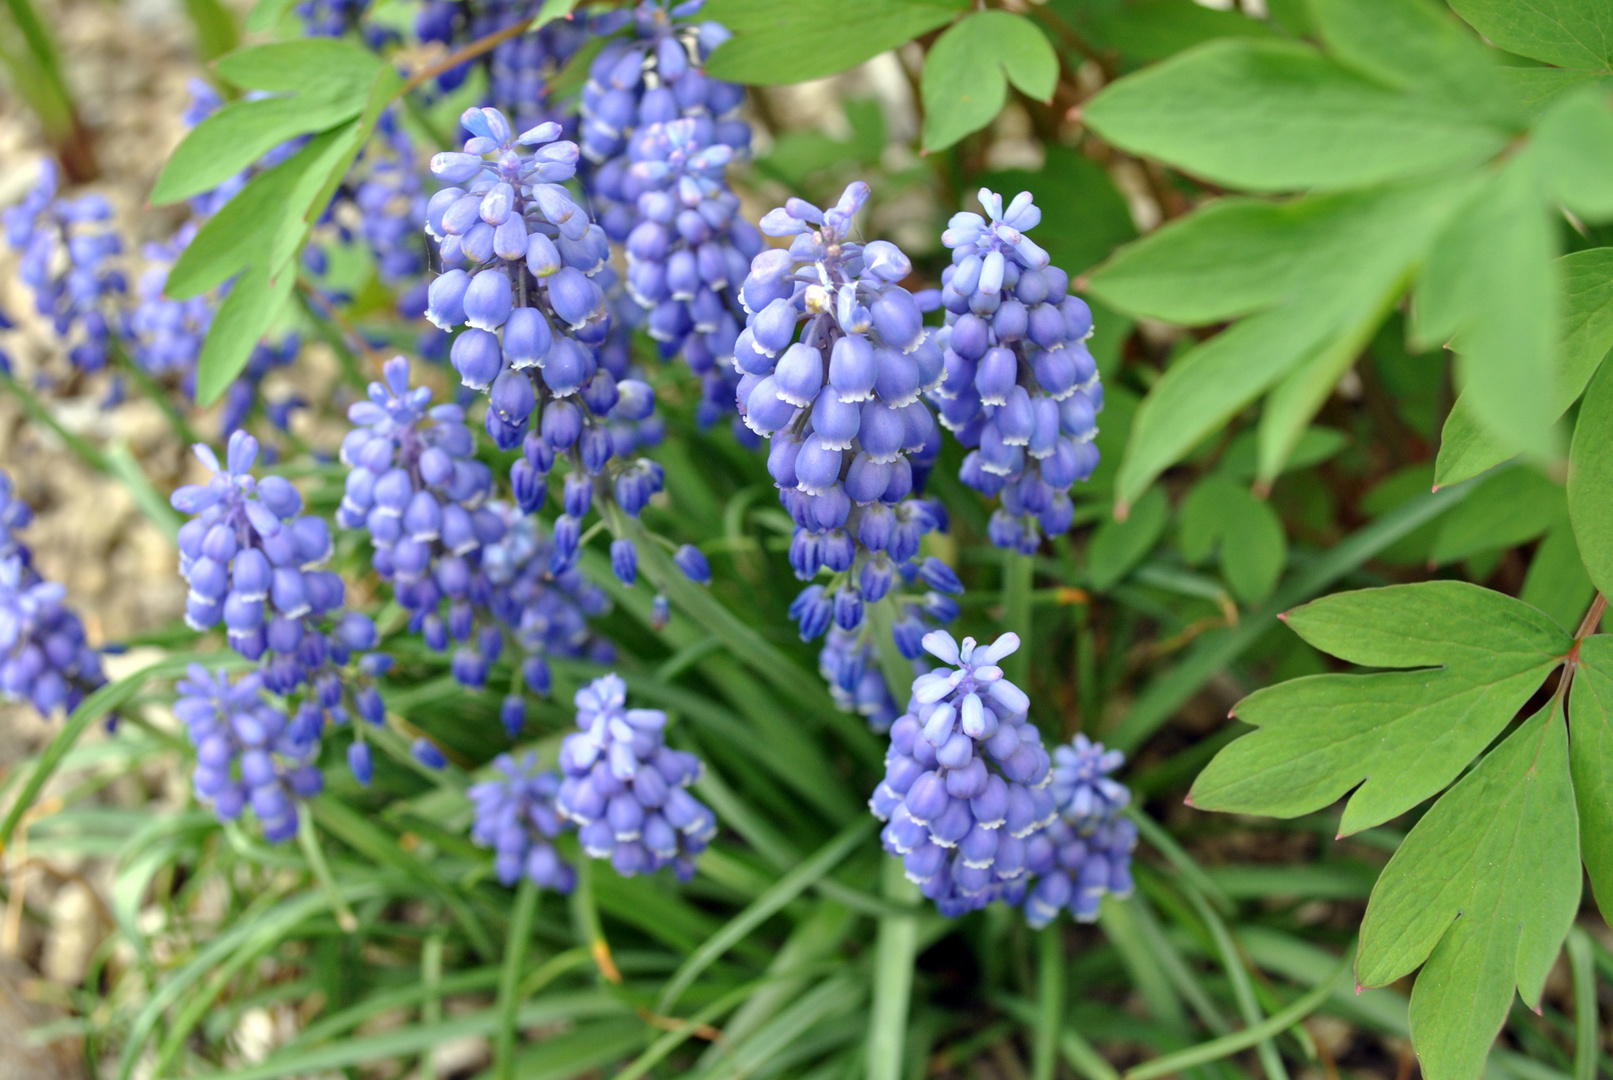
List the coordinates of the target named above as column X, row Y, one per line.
column 122, row 464
column 1177, row 856
column 1242, row 990
column 765, row 906
column 105, row 701
column 308, row 840
column 895, row 951
column 1227, row 1045
column 1082, row 1055
column 39, row 412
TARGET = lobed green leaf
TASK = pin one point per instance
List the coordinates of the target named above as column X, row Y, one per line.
column 1481, row 893
column 809, row 39
column 1400, row 735
column 968, row 69
column 1568, row 33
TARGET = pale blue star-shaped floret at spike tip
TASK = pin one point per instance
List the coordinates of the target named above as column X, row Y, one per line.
column 252, row 559
column 626, row 790
column 966, row 793
column 516, row 816
column 1021, row 388
column 537, row 319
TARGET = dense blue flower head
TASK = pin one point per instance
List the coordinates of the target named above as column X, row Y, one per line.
column 1021, row 388
column 965, row 792
column 1077, row 867
column 537, row 319
column 519, row 69
column 67, row 249
column 836, row 360
column 626, row 790
column 517, row 818
column 248, row 753
column 655, row 74
column 1083, row 789
column 251, row 559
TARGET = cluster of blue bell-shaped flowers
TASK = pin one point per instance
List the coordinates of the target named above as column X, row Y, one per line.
column 1021, row 388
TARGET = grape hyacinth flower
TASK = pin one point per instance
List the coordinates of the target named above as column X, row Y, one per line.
column 517, row 818
column 1021, row 388
column 66, row 245
column 687, row 247
column 851, row 436
column 626, row 790
column 1087, row 853
column 252, row 559
column 965, row 794
column 1077, row 867
column 248, row 753
column 536, row 319
column 44, row 658
column 519, row 69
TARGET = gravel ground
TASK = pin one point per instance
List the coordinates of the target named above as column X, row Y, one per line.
column 129, row 67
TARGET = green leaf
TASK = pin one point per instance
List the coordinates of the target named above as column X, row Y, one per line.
column 1219, row 512
column 1557, row 582
column 1477, row 656
column 1574, row 141
column 242, row 319
column 1484, row 890
column 1314, row 446
column 1492, row 283
column 1330, row 265
column 320, row 67
column 1590, row 716
column 241, row 230
column 1142, row 31
column 1536, row 89
column 1278, row 116
column 1118, row 546
column 1567, row 33
column 216, row 29
column 1084, row 217
column 266, row 15
column 1418, row 47
column 238, row 135
column 1465, row 448
column 1510, row 508
column 968, row 69
column 1590, row 480
column 809, row 39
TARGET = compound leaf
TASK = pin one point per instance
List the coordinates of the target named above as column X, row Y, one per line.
column 1465, row 448
column 1492, row 284
column 245, row 316
column 1221, row 512
column 809, row 39
column 968, row 69
column 1590, row 480
column 1402, row 735
column 1568, row 33
column 1483, row 889
column 1352, row 257
column 1574, row 141
column 1280, row 116
column 1590, row 718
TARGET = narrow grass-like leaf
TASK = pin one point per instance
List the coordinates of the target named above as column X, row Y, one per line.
column 765, row 906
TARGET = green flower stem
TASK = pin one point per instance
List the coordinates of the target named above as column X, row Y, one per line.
column 895, row 952
column 156, row 393
column 308, row 840
column 1018, row 581
column 1050, row 1000
column 509, row 997
column 1587, row 1039
column 1242, row 990
column 585, row 922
